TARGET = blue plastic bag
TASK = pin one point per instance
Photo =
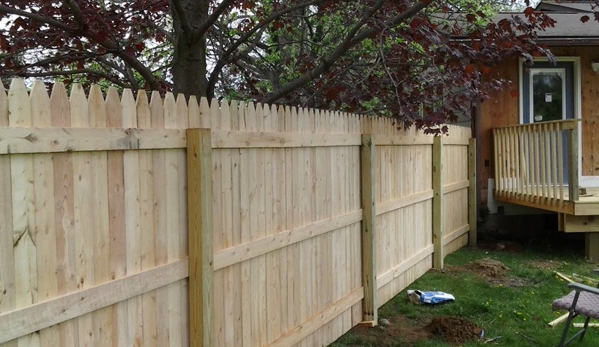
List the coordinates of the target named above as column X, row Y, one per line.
column 429, row 298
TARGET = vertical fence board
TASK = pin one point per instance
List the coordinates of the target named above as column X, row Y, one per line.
column 7, row 269
column 23, row 209
column 45, row 232
column 161, row 227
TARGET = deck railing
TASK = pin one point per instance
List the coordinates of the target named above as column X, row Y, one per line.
column 537, row 163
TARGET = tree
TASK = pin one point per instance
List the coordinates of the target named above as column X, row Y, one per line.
column 419, row 61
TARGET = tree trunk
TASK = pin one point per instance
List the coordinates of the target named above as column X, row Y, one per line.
column 189, row 57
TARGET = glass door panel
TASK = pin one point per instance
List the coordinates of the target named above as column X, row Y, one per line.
column 547, row 89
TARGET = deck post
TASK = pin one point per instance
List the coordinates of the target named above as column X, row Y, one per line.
column 368, row 164
column 472, row 201
column 199, row 201
column 573, row 184
column 438, row 255
column 591, row 245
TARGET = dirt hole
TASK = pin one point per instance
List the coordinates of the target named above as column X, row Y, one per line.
column 454, row 330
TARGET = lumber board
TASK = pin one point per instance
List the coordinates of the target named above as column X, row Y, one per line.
column 580, row 224
column 558, row 320
column 472, row 194
column 404, row 201
column 455, row 141
column 22, row 140
column 200, row 224
column 248, row 250
column 454, row 234
column 19, row 322
column 306, row 328
column 438, row 203
column 369, row 232
column 263, row 139
column 146, row 200
column 44, row 217
column 390, row 140
column 23, row 208
column 401, row 268
column 7, row 269
column 452, row 187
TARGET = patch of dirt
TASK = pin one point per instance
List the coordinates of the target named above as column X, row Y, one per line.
column 487, row 268
column 454, row 330
column 493, row 271
column 512, row 282
column 503, row 246
column 401, row 329
column 544, row 264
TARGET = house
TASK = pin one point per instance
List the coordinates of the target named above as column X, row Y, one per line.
column 539, row 140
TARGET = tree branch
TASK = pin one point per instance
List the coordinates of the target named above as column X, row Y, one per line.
column 225, row 56
column 37, row 18
column 353, row 38
column 180, row 12
column 113, row 79
column 206, row 24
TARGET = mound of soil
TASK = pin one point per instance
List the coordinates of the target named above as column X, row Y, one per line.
column 454, row 330
column 488, row 268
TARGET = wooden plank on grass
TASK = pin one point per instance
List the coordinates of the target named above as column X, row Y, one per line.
column 199, row 176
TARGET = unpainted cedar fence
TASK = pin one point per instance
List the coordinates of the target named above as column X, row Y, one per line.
column 301, row 222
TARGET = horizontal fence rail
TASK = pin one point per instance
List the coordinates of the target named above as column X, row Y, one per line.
column 537, row 163
column 154, row 220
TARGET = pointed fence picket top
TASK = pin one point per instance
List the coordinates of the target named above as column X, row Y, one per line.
column 292, row 240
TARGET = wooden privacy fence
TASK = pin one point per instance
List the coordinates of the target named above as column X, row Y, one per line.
column 163, row 222
column 538, row 163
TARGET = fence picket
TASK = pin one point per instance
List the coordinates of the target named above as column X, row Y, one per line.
column 44, row 219
column 23, row 208
column 7, row 270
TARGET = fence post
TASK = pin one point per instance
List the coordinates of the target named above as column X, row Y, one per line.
column 368, row 162
column 438, row 202
column 472, row 201
column 199, row 210
column 573, row 164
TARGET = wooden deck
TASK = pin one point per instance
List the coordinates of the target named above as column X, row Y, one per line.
column 586, row 205
column 536, row 165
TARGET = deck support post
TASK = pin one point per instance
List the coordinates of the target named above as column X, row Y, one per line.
column 591, row 245
column 438, row 233
column 199, row 201
column 368, row 164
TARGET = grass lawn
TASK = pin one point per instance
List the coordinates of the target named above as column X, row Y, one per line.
column 514, row 305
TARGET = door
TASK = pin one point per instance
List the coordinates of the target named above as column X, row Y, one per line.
column 548, row 92
column 548, row 95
